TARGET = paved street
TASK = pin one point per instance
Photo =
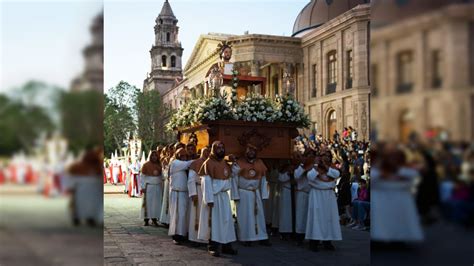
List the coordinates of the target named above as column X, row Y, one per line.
column 35, row 230
column 127, row 242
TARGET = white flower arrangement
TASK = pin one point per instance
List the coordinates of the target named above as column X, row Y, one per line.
column 290, row 111
column 211, row 109
column 255, row 108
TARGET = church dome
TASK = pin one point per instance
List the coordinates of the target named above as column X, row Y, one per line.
column 318, row 12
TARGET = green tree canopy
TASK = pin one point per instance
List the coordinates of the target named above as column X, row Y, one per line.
column 119, row 115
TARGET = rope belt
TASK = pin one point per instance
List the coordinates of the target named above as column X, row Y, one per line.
column 324, row 188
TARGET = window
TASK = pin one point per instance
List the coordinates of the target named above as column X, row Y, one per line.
column 168, row 36
column 275, row 84
column 332, row 72
column 350, row 69
column 315, row 81
column 374, row 84
column 163, row 60
column 173, row 61
column 436, row 80
column 405, row 72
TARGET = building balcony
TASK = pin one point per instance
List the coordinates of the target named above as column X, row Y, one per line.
column 331, row 88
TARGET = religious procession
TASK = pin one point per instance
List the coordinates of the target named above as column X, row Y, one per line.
column 241, row 171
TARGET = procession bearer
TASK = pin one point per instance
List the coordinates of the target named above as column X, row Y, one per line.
column 151, row 189
column 178, row 201
column 323, row 217
column 215, row 221
column 249, row 187
column 302, row 194
column 195, row 195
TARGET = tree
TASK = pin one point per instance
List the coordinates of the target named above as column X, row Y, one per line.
column 21, row 125
column 82, row 119
column 151, row 115
column 119, row 115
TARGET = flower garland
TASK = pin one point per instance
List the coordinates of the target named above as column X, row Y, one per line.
column 235, row 84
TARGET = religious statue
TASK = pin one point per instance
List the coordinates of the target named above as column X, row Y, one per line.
column 223, row 67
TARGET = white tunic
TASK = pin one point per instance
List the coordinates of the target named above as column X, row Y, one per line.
column 222, row 224
column 302, row 194
column 178, row 200
column 393, row 213
column 152, row 197
column 285, row 221
column 194, row 189
column 271, row 204
column 250, row 213
column 115, row 173
column 87, row 198
column 164, row 215
column 323, row 216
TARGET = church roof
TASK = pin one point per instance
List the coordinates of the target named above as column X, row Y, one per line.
column 166, row 10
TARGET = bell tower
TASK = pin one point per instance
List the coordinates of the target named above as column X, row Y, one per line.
column 166, row 53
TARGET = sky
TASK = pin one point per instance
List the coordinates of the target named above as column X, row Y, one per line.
column 43, row 40
column 129, row 28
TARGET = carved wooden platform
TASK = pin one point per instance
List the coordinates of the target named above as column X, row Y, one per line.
column 274, row 139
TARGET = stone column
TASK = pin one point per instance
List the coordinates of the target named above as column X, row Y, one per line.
column 360, row 55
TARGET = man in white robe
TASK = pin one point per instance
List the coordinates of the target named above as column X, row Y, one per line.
column 178, row 200
column 302, row 195
column 151, row 189
column 285, row 223
column 249, row 187
column 323, row 215
column 215, row 221
column 165, row 207
column 195, row 196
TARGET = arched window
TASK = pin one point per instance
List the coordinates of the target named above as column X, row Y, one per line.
column 163, row 60
column 173, row 61
column 168, row 36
